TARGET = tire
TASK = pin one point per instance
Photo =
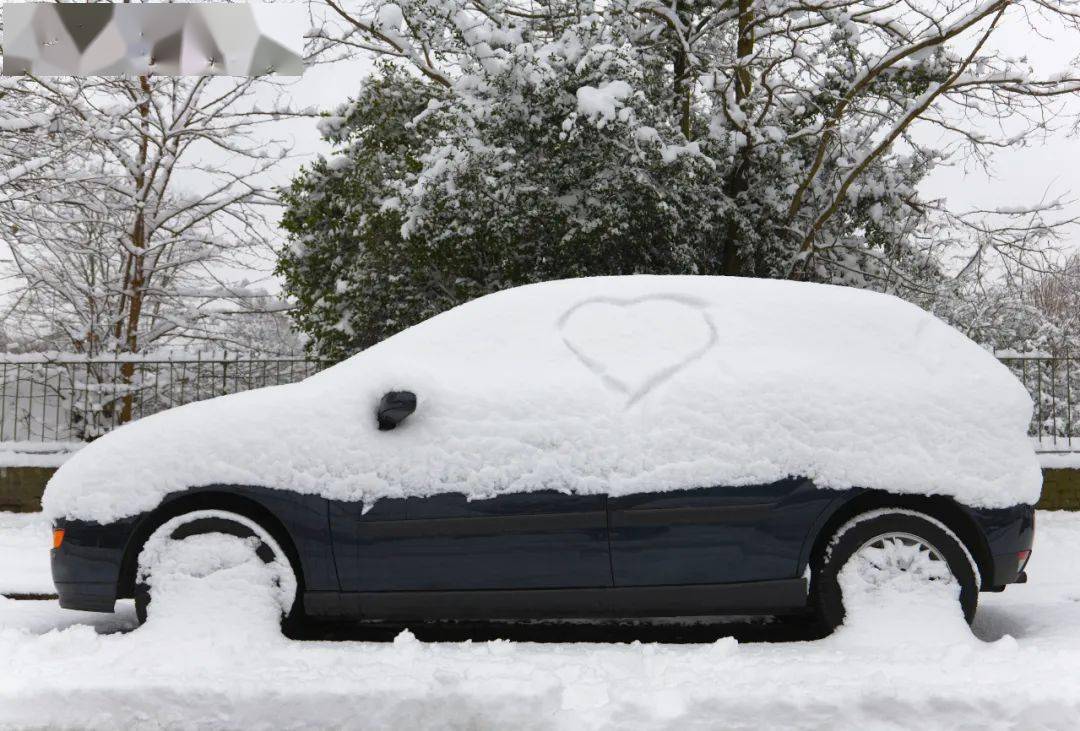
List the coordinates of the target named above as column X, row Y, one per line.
column 939, row 545
column 201, row 522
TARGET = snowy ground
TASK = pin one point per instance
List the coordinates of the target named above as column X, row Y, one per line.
column 24, row 554
column 211, row 657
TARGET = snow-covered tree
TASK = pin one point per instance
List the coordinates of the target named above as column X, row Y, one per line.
column 344, row 244
column 767, row 138
column 32, row 150
column 1023, row 311
column 1056, row 296
column 1029, row 317
column 161, row 197
column 155, row 214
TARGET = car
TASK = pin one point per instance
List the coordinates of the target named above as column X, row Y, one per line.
column 639, row 446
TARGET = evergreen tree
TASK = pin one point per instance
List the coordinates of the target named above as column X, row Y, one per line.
column 503, row 144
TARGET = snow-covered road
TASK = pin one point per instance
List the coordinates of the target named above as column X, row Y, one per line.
column 231, row 668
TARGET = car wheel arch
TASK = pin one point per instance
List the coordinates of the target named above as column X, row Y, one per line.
column 941, row 508
column 204, row 499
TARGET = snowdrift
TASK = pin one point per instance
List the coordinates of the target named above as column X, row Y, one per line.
column 615, row 385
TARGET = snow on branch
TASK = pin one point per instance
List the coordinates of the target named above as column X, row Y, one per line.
column 122, row 224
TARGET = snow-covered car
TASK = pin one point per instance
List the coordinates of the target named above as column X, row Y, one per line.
column 622, row 446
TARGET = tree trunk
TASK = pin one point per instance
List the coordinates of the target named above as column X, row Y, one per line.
column 682, row 91
column 733, row 262
column 681, row 87
column 137, row 260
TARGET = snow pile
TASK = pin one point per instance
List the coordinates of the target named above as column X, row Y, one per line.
column 1061, row 460
column 615, row 385
column 601, row 103
column 899, row 609
column 25, row 539
column 36, row 454
column 214, row 576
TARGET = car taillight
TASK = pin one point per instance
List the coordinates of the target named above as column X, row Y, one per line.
column 57, row 537
column 1021, row 560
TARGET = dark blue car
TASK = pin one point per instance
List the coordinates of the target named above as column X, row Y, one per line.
column 617, row 447
column 544, row 554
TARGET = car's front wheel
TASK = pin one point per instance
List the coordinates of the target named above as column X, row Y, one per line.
column 204, row 542
column 902, row 551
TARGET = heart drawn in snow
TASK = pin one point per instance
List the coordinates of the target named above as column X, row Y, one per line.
column 634, row 345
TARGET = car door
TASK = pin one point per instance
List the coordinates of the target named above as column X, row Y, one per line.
column 532, row 540
column 715, row 535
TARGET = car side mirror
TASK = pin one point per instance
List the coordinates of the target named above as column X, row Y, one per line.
column 394, row 406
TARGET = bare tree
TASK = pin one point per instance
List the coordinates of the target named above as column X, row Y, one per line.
column 1056, row 296
column 157, row 213
column 31, row 150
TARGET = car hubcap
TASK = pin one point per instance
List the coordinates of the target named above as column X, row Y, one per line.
column 891, row 556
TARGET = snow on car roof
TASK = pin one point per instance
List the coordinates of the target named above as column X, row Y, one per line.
column 607, row 385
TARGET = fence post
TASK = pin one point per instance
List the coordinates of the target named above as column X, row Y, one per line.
column 1068, row 401
column 225, row 372
column 15, row 410
column 3, row 399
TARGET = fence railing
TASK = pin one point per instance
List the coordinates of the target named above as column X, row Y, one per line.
column 1052, row 381
column 72, row 398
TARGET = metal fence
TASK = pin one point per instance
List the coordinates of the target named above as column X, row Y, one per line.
column 69, row 398
column 1052, row 381
column 72, row 398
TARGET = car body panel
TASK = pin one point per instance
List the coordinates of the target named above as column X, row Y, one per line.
column 1007, row 531
column 758, row 597
column 540, row 554
column 86, row 568
column 362, row 553
column 713, row 535
column 446, row 542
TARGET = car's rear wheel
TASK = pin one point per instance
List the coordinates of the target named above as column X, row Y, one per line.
column 889, row 548
column 153, row 557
